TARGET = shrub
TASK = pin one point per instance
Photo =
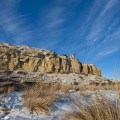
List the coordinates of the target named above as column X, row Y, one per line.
column 40, row 98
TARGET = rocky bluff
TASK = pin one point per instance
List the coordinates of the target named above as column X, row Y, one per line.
column 13, row 57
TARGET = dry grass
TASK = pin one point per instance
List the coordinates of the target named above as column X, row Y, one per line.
column 115, row 86
column 2, row 90
column 83, row 93
column 65, row 88
column 11, row 89
column 100, row 108
column 81, row 87
column 39, row 98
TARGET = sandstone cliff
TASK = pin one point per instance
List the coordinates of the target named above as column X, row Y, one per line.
column 30, row 59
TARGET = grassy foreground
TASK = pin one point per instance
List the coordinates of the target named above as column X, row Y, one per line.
column 100, row 108
column 40, row 98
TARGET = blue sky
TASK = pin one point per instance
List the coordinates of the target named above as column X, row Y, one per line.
column 88, row 28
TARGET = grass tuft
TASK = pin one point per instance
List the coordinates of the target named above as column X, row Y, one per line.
column 99, row 108
column 39, row 98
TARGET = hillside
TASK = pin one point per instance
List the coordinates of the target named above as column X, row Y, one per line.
column 29, row 59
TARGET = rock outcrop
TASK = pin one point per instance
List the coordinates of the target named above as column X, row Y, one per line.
column 30, row 59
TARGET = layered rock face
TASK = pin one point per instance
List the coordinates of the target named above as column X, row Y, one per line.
column 30, row 59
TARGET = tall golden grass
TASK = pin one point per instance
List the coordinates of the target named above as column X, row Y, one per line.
column 114, row 86
column 66, row 88
column 8, row 87
column 39, row 98
column 100, row 108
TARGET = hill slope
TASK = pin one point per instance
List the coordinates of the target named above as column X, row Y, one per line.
column 13, row 57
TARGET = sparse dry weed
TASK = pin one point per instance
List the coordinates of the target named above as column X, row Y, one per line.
column 11, row 89
column 100, row 108
column 114, row 86
column 2, row 90
column 66, row 88
column 39, row 98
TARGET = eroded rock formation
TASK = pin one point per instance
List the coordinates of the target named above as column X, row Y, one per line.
column 30, row 59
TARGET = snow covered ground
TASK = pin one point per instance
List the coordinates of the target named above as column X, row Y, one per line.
column 11, row 106
column 13, row 102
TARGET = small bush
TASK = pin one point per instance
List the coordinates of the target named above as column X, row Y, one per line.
column 40, row 98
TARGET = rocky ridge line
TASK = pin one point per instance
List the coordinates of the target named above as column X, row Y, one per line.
column 13, row 57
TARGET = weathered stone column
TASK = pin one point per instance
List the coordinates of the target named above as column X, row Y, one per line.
column 72, row 56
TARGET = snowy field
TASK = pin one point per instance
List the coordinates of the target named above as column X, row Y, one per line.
column 11, row 106
column 14, row 102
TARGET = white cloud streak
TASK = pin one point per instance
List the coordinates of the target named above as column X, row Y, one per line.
column 100, row 31
column 106, row 52
column 51, row 24
column 101, row 22
column 87, row 36
column 13, row 23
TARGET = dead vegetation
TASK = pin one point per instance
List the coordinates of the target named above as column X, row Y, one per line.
column 40, row 98
column 9, row 86
column 2, row 90
column 113, row 86
column 91, row 87
column 100, row 108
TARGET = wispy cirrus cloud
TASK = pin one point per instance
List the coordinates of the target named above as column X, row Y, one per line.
column 54, row 18
column 82, row 27
column 102, row 20
column 88, row 28
column 52, row 21
column 98, row 31
column 106, row 52
column 13, row 23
